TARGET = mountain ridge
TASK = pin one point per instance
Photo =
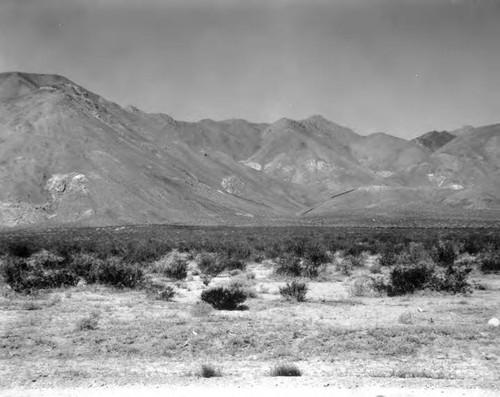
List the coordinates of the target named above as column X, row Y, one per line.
column 69, row 155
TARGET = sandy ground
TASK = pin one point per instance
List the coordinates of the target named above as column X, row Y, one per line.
column 218, row 391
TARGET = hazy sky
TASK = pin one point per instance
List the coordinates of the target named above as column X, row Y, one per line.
column 400, row 66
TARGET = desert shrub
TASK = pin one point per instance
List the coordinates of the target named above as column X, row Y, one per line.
column 201, row 309
column 224, row 298
column 114, row 272
column 347, row 264
column 406, row 318
column 295, row 290
column 289, row 265
column 236, row 250
column 244, row 284
column 231, row 263
column 387, row 257
column 315, row 255
column 285, row 370
column 412, row 254
column 209, row 371
column 454, row 280
column 159, row 291
column 84, row 265
column 443, row 253
column 472, row 244
column 408, row 279
column 142, row 251
column 166, row 293
column 295, row 246
column 354, row 249
column 489, row 262
column 89, row 323
column 362, row 286
column 272, row 250
column 42, row 270
column 176, row 269
column 21, row 249
column 210, row 265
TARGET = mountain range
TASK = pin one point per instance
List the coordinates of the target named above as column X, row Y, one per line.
column 69, row 156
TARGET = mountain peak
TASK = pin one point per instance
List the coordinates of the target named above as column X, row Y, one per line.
column 317, row 118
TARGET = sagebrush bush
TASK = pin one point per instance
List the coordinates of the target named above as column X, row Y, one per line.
column 295, row 290
column 224, row 298
column 285, row 370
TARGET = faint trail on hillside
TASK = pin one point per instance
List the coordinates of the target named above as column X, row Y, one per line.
column 323, row 202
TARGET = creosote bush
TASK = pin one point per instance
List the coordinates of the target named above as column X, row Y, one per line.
column 408, row 279
column 295, row 290
column 286, row 370
column 224, row 298
column 114, row 272
column 489, row 262
column 209, row 264
column 443, row 253
column 44, row 270
column 176, row 269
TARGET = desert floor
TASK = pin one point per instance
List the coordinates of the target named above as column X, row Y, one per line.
column 414, row 345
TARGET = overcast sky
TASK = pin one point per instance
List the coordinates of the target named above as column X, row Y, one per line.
column 399, row 66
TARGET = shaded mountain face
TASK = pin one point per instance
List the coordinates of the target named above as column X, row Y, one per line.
column 67, row 155
column 434, row 140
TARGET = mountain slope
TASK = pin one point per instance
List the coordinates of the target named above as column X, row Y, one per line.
column 313, row 153
column 69, row 155
column 434, row 140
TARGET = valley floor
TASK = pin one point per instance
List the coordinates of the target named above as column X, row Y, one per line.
column 425, row 341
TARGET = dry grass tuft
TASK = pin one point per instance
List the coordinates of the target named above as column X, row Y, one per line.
column 209, row 371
